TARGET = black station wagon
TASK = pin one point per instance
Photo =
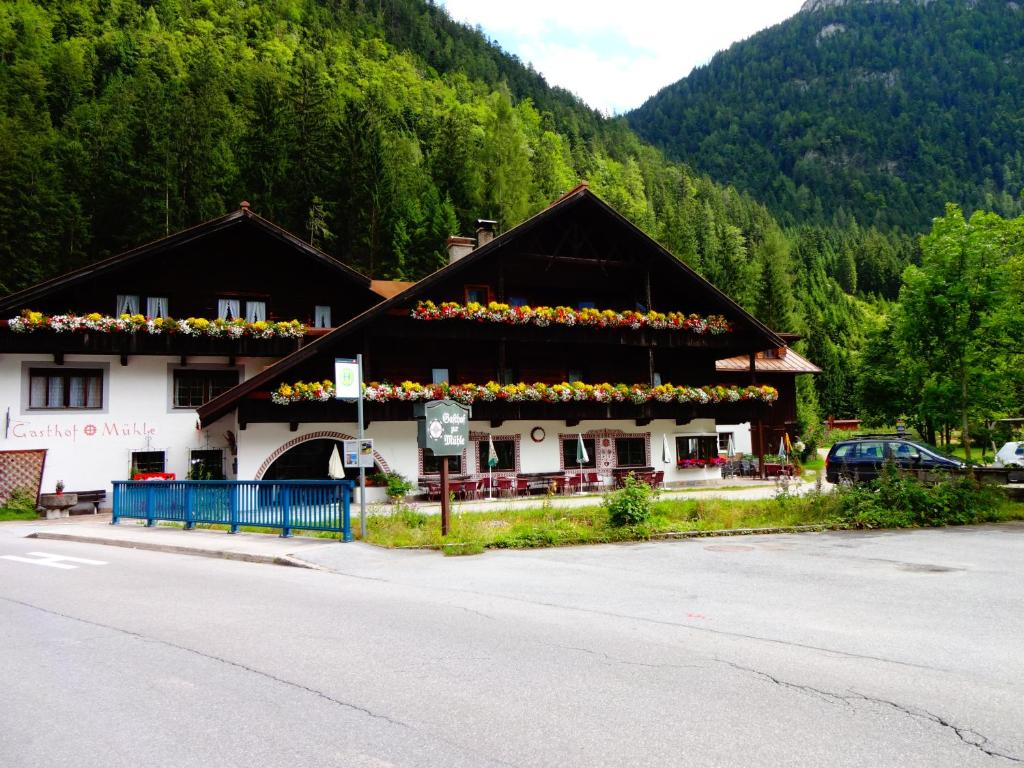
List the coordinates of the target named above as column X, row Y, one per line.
column 861, row 458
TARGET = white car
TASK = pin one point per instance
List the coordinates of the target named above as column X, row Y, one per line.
column 1010, row 453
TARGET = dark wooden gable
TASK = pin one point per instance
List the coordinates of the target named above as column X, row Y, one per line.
column 240, row 256
column 581, row 250
column 577, row 250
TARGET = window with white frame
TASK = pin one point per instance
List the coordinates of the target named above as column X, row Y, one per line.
column 65, row 389
column 724, row 438
column 438, row 375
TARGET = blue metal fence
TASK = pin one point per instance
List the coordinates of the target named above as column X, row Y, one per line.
column 308, row 505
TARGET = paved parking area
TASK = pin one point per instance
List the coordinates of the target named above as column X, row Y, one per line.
column 839, row 649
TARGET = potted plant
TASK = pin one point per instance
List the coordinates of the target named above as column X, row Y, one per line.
column 397, row 487
column 60, row 487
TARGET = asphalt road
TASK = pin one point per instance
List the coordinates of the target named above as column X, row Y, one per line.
column 838, row 649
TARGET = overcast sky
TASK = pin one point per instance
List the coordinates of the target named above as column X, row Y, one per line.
column 615, row 54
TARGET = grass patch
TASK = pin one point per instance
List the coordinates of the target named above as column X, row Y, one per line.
column 551, row 527
column 894, row 503
column 20, row 506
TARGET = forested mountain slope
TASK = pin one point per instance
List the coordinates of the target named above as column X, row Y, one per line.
column 883, row 111
column 375, row 130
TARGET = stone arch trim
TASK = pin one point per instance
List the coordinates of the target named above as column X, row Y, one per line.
column 326, row 435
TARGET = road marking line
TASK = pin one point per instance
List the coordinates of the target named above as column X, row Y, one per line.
column 63, row 562
column 68, row 558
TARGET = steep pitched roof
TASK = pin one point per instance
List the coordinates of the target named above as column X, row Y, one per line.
column 241, row 217
column 217, row 407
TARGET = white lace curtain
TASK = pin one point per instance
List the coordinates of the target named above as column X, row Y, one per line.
column 156, row 306
column 127, row 304
column 227, row 309
column 255, row 311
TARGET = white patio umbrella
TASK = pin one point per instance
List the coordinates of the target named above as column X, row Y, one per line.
column 581, row 458
column 666, row 450
column 782, row 448
column 492, row 462
column 335, row 469
column 730, row 449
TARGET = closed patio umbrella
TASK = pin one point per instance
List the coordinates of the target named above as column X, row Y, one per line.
column 335, row 469
column 666, row 450
column 582, row 457
column 492, row 462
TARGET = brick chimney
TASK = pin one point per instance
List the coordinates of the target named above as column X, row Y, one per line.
column 484, row 231
column 459, row 247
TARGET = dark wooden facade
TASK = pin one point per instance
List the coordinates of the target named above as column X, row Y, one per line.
column 577, row 252
column 238, row 256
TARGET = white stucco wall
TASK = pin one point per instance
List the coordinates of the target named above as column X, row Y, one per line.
column 395, row 444
column 740, row 436
column 89, row 448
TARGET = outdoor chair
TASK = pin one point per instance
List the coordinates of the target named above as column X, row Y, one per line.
column 745, row 468
column 659, row 479
column 591, row 481
column 522, row 486
column 504, row 486
column 573, row 483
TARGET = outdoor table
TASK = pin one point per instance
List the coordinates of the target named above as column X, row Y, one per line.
column 774, row 470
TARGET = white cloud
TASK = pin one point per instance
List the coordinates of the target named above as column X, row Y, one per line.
column 615, row 55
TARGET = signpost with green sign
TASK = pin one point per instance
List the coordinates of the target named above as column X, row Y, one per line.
column 444, row 430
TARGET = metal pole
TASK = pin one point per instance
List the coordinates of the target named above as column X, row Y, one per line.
column 359, row 453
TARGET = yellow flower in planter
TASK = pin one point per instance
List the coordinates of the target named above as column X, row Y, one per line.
column 94, row 316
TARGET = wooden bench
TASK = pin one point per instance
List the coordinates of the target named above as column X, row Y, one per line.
column 91, row 497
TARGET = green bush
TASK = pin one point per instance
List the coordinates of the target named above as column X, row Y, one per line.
column 896, row 500
column 631, row 505
column 21, row 505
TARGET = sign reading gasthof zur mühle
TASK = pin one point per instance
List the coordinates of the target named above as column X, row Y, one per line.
column 346, row 379
column 444, row 427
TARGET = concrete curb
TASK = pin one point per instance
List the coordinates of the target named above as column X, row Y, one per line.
column 745, row 531
column 223, row 554
column 666, row 535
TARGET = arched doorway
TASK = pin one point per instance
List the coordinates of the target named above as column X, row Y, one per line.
column 307, row 457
